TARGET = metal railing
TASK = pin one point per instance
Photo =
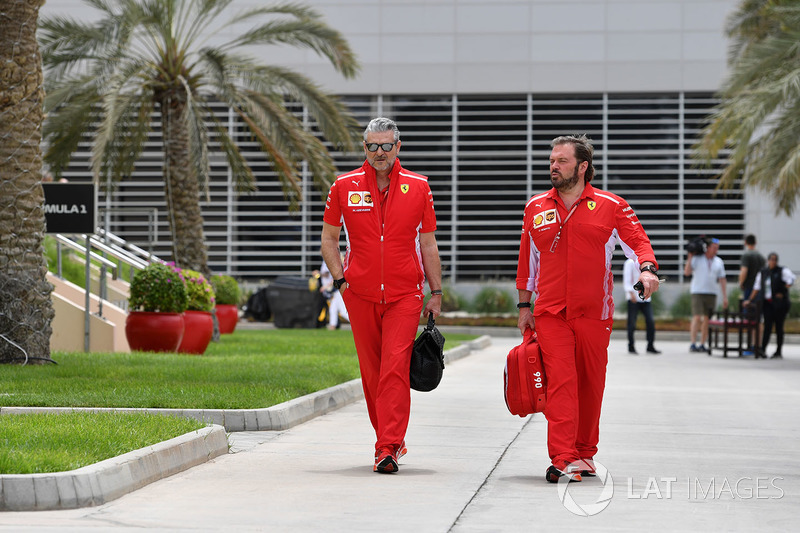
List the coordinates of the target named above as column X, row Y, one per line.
column 115, row 247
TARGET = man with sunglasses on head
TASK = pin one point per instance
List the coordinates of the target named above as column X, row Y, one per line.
column 568, row 237
column 388, row 215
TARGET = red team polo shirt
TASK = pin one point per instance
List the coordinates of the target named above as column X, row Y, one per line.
column 383, row 262
column 577, row 275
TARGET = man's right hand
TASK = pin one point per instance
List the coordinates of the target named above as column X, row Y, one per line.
column 525, row 320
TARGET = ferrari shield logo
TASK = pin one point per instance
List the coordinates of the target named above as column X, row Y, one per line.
column 591, row 204
column 404, row 188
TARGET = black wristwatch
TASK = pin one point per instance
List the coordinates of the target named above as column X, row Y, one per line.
column 522, row 305
column 650, row 268
column 338, row 283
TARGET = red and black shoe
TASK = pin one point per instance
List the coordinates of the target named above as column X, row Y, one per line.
column 402, row 450
column 553, row 474
column 385, row 462
column 586, row 468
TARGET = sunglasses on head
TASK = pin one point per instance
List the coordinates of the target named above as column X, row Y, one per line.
column 386, row 147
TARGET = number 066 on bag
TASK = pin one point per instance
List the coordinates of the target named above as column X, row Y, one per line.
column 524, row 382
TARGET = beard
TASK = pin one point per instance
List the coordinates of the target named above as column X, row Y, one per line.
column 564, row 184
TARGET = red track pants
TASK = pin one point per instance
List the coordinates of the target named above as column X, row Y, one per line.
column 384, row 335
column 575, row 355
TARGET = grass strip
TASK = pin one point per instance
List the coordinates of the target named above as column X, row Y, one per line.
column 44, row 443
column 249, row 369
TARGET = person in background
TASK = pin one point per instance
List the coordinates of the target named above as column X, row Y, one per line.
column 707, row 271
column 336, row 307
column 750, row 265
column 630, row 275
column 774, row 282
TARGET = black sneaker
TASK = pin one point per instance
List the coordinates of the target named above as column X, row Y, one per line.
column 553, row 474
column 632, row 350
column 385, row 462
column 652, row 349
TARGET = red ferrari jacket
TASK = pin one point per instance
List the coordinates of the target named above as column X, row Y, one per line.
column 383, row 262
column 576, row 273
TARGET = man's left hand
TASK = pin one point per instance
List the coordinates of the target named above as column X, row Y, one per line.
column 650, row 283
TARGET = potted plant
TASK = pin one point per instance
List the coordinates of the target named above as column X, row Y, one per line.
column 228, row 293
column 157, row 300
column 199, row 323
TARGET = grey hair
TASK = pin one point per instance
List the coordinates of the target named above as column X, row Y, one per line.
column 381, row 124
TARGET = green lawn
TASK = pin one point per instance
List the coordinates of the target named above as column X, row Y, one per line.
column 249, row 369
column 38, row 443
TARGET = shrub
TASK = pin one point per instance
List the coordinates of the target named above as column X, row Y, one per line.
column 794, row 298
column 199, row 291
column 226, row 289
column 494, row 300
column 451, row 301
column 682, row 308
column 158, row 288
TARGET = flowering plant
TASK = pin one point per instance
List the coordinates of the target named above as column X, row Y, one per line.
column 159, row 288
column 201, row 293
column 226, row 289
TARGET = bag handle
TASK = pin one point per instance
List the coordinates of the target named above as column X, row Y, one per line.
column 431, row 322
column 528, row 335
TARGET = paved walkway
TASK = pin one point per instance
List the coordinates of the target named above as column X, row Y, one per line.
column 690, row 443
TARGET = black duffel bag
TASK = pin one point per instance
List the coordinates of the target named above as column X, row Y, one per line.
column 427, row 358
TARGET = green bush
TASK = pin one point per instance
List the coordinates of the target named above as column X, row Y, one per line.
column 226, row 289
column 682, row 308
column 200, row 293
column 451, row 300
column 494, row 300
column 794, row 310
column 158, row 287
column 658, row 304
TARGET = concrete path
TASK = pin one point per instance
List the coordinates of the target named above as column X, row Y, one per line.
column 690, row 443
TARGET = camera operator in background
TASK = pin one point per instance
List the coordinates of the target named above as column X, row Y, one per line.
column 707, row 270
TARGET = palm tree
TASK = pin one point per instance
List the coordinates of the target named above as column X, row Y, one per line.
column 147, row 58
column 26, row 311
column 758, row 118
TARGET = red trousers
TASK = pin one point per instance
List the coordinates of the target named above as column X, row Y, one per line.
column 575, row 356
column 384, row 335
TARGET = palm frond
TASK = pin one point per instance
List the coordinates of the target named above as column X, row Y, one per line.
column 303, row 30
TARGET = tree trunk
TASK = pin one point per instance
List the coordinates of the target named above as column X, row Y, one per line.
column 26, row 311
column 182, row 189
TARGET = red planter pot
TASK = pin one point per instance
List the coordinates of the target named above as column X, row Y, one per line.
column 199, row 329
column 154, row 332
column 227, row 316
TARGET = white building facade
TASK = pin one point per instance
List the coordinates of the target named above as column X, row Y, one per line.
column 479, row 88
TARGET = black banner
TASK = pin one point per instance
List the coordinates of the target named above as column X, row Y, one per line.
column 70, row 207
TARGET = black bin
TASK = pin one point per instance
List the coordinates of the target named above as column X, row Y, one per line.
column 293, row 305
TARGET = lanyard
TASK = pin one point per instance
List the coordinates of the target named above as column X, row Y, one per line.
column 561, row 226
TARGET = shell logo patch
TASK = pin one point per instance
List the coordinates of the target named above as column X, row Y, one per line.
column 359, row 198
column 544, row 218
column 404, row 188
column 591, row 204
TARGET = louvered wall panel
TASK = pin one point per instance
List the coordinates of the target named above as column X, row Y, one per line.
column 485, row 155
